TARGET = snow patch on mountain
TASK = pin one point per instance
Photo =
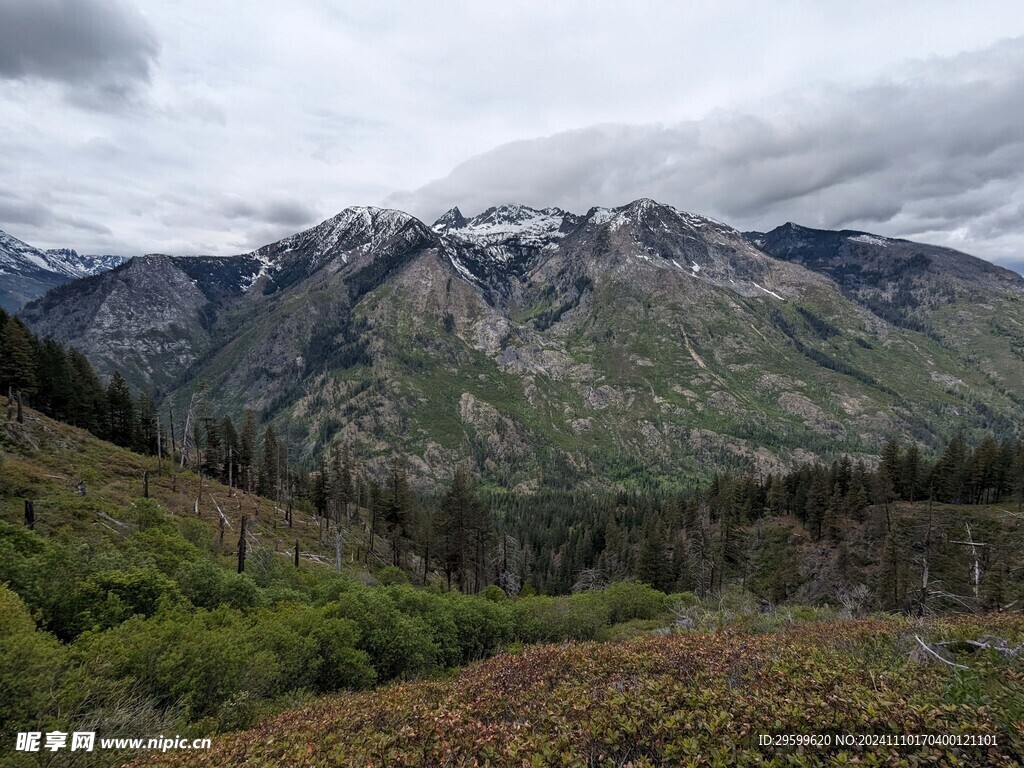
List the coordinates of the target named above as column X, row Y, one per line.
column 517, row 223
column 20, row 258
column 773, row 293
column 871, row 240
column 360, row 229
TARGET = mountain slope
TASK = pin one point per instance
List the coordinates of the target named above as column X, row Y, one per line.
column 26, row 272
column 635, row 344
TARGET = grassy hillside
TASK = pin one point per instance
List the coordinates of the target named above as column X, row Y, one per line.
column 690, row 698
column 45, row 461
column 124, row 614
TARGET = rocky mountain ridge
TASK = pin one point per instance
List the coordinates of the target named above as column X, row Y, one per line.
column 549, row 347
column 27, row 272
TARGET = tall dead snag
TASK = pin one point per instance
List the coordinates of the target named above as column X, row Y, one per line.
column 241, row 547
column 159, row 447
column 976, row 572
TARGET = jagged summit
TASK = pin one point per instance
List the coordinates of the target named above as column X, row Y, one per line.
column 20, row 257
column 452, row 219
column 512, row 223
column 355, row 231
column 27, row 272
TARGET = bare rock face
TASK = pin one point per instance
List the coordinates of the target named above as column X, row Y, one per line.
column 636, row 337
column 477, row 413
column 145, row 319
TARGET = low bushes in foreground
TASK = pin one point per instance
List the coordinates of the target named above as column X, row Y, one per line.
column 689, row 698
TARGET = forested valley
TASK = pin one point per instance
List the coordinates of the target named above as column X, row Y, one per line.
column 185, row 572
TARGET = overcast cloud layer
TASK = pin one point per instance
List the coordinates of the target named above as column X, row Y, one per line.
column 198, row 127
column 935, row 152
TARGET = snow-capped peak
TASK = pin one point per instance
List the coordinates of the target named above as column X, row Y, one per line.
column 77, row 265
column 525, row 225
column 354, row 230
column 651, row 211
column 17, row 257
column 452, row 219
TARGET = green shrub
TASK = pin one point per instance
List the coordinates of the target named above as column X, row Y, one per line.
column 107, row 598
column 483, row 626
column 391, row 575
column 628, row 600
column 202, row 582
column 494, row 593
column 30, row 663
column 579, row 617
column 165, row 547
column 399, row 645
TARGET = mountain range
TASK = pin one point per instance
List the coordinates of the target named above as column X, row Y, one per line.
column 638, row 344
column 26, row 272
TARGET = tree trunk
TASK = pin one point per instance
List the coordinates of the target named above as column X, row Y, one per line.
column 241, row 547
column 337, row 546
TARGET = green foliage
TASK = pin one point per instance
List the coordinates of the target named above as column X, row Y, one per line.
column 775, row 567
column 109, row 598
column 686, row 699
column 30, row 661
column 398, row 645
column 390, row 575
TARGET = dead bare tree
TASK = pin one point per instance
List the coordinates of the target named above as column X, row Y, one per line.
column 241, row 547
column 976, row 571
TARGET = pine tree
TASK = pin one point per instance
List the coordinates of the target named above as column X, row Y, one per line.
column 229, row 451
column 247, row 450
column 911, row 475
column 54, row 391
column 213, row 454
column 17, row 358
column 120, row 412
column 857, row 500
column 267, row 484
column 830, row 521
column 653, row 566
column 457, row 512
column 950, row 470
column 397, row 509
column 888, row 573
column 817, row 504
column 776, row 495
column 146, row 426
column 343, row 489
column 891, row 463
column 88, row 404
column 320, row 489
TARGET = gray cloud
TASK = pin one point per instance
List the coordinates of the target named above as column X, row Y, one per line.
column 285, row 212
column 214, row 127
column 934, row 151
column 267, row 221
column 101, row 49
column 13, row 211
column 35, row 215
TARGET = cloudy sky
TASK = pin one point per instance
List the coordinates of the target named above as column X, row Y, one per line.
column 130, row 126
